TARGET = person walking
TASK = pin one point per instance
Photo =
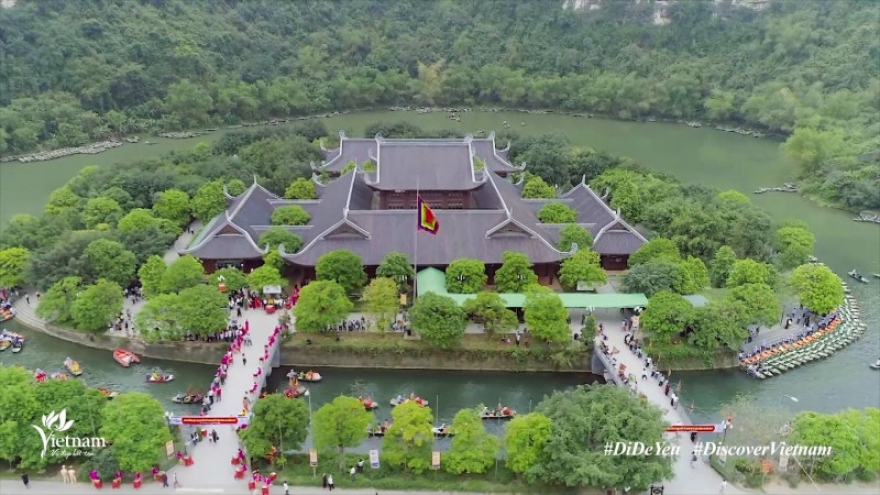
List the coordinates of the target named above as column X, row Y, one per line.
column 330, row 482
column 164, row 480
column 176, row 482
column 286, row 488
column 324, row 481
column 693, row 459
column 215, row 436
column 26, row 480
column 723, row 486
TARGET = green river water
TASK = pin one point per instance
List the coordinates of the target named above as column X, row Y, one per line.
column 704, row 156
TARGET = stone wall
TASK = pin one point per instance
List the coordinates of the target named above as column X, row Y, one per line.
column 321, row 357
column 191, row 352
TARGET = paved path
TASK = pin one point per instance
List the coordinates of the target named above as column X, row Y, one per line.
column 15, row 487
column 182, row 242
column 212, row 460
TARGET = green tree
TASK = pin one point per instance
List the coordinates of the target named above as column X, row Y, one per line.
column 722, row 264
column 62, row 200
column 57, row 303
column 110, row 260
column 749, row 271
column 265, row 276
column 515, row 274
column 134, row 424
column 174, row 205
column 232, row 277
column 188, row 102
column 236, row 187
column 136, row 219
column 341, row 423
column 536, row 188
column 695, row 275
column 545, row 316
column 343, row 267
column 818, row 288
column 98, row 211
column 321, row 303
column 408, row 441
column 473, row 449
column 97, row 305
column 291, row 215
column 657, row 248
column 488, row 309
column 652, row 277
column 438, row 319
column 18, row 407
column 574, row 234
column 557, row 213
column 382, row 302
column 12, row 265
column 277, row 422
column 524, row 440
column 274, row 259
column 583, row 422
column 202, row 309
column 81, row 405
column 466, row 276
column 761, row 303
column 667, row 315
column 795, row 245
column 152, row 276
column 160, row 319
column 733, row 196
column 183, row 273
column 278, row 236
column 301, row 188
column 397, row 267
column 582, row 266
column 208, row 202
column 832, row 430
column 720, row 323
column 808, row 148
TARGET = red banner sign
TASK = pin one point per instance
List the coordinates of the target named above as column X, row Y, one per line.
column 208, row 420
column 694, row 428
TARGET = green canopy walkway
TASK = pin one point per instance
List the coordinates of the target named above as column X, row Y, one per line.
column 434, row 280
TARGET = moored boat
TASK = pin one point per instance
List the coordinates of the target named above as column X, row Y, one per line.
column 6, row 314
column 59, row 376
column 378, row 430
column 125, row 357
column 442, row 431
column 369, row 403
column 108, row 393
column 501, row 412
column 5, row 344
column 160, row 378
column 309, row 377
column 73, row 367
column 295, row 391
column 40, row 376
column 196, row 398
column 875, row 275
column 17, row 345
column 876, row 366
column 412, row 397
column 858, row 276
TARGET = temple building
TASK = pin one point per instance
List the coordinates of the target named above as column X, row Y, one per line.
column 366, row 203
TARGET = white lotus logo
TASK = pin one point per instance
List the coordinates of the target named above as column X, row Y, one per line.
column 53, row 423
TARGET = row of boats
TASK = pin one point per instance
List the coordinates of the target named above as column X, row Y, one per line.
column 843, row 331
column 12, row 340
column 861, row 278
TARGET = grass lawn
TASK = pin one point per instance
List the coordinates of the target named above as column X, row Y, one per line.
column 393, row 341
column 297, row 472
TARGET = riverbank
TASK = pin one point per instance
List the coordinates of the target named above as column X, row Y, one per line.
column 476, row 352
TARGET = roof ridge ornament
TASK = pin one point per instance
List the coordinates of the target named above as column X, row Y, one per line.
column 317, row 180
column 492, row 137
column 521, row 181
column 371, row 156
column 226, row 192
column 468, row 138
column 321, row 144
column 584, row 181
column 255, row 180
column 341, row 136
column 379, row 138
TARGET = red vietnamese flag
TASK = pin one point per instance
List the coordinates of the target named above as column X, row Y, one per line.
column 427, row 221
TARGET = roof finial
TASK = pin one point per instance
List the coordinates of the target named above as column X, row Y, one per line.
column 468, row 138
column 379, row 138
column 617, row 214
column 584, row 180
column 226, row 192
column 574, row 248
column 345, row 213
column 255, row 179
column 492, row 137
column 341, row 136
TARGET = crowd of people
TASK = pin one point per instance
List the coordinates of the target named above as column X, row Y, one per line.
column 808, row 323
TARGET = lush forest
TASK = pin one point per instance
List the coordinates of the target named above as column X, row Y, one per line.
column 78, row 71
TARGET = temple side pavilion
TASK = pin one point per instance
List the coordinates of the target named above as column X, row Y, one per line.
column 370, row 209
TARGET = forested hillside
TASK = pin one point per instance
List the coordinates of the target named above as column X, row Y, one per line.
column 76, row 71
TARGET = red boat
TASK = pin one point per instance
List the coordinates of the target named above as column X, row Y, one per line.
column 125, row 358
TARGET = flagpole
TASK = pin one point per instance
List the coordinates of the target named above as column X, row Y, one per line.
column 416, row 241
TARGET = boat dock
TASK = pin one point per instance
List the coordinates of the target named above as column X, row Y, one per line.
column 786, row 188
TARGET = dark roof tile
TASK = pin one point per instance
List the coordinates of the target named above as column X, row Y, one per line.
column 423, row 165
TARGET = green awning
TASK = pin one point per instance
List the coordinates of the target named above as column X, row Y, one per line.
column 434, row 280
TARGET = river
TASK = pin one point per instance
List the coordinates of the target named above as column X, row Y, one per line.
column 704, row 156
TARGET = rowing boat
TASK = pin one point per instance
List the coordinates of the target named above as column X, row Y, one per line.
column 73, row 367
column 160, row 378
column 125, row 357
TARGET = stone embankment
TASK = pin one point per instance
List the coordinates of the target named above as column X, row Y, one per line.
column 42, row 156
